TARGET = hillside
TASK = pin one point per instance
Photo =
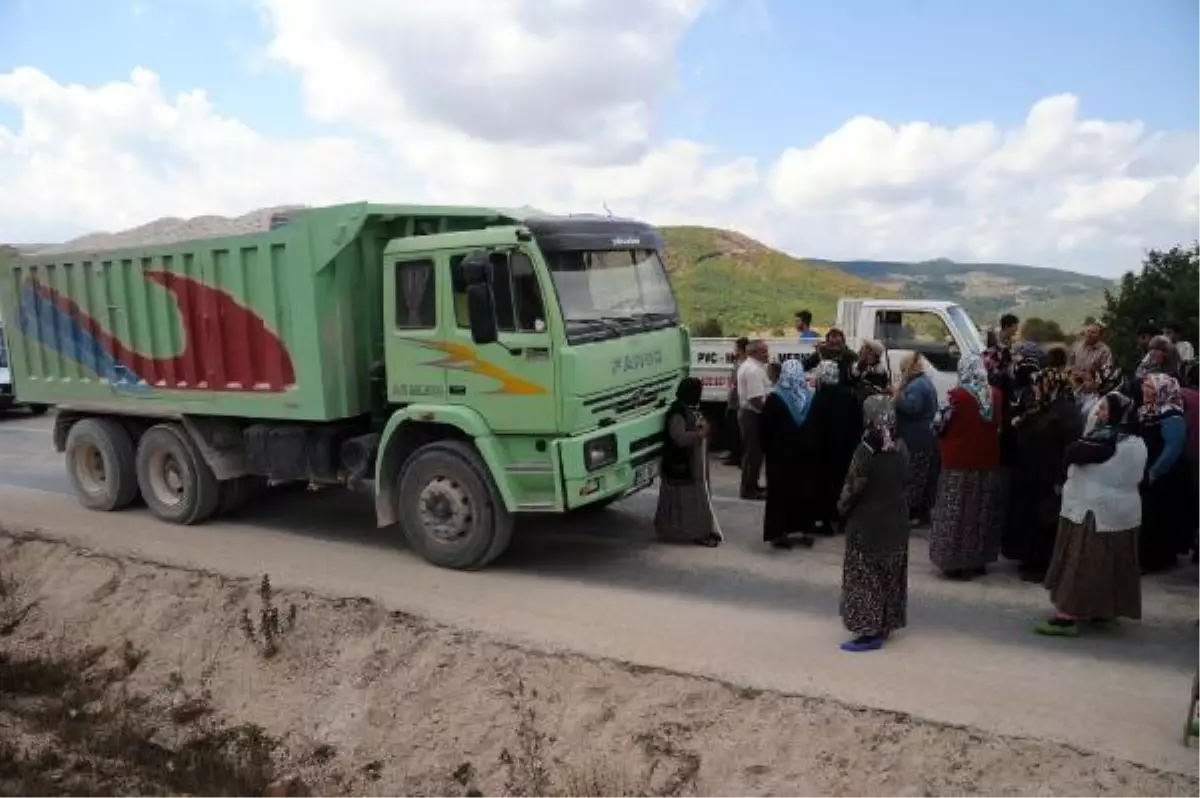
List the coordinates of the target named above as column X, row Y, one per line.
column 987, row 290
column 747, row 286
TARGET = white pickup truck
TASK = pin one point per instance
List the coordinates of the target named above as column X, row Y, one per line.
column 941, row 331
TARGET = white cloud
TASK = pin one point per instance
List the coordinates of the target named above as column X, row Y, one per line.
column 553, row 103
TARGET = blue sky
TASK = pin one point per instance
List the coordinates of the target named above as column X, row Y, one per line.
column 757, row 84
column 754, row 77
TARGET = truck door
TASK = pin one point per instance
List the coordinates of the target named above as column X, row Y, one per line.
column 511, row 382
column 414, row 349
column 903, row 332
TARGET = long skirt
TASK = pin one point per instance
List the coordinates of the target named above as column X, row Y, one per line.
column 964, row 534
column 921, row 488
column 874, row 590
column 1095, row 574
column 683, row 512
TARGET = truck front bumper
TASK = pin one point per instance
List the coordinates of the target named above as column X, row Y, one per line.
column 637, row 444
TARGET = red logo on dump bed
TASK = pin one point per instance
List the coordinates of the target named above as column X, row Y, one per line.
column 226, row 346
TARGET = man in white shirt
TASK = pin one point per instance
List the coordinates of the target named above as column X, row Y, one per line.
column 753, row 387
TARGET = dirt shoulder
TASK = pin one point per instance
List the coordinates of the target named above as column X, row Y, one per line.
column 119, row 676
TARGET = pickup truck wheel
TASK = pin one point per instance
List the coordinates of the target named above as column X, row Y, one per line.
column 449, row 510
column 100, row 464
column 176, row 482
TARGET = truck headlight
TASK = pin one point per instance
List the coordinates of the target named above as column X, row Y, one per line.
column 600, row 452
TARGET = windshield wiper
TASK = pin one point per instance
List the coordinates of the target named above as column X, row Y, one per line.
column 656, row 315
column 602, row 322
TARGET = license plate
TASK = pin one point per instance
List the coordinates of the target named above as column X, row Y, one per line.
column 644, row 474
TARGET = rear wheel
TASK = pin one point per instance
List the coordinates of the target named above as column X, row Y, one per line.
column 449, row 509
column 175, row 481
column 100, row 464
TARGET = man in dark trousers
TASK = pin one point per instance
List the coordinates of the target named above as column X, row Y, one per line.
column 753, row 388
column 733, row 438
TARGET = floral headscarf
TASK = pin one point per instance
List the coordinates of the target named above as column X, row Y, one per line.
column 1168, row 400
column 879, row 424
column 1051, row 385
column 973, row 378
column 828, row 372
column 794, row 390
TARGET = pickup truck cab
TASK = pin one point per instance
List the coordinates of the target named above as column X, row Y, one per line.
column 941, row 331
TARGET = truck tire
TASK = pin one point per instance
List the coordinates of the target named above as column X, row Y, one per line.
column 449, row 509
column 176, row 483
column 101, row 464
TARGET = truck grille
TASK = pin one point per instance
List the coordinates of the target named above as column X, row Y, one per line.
column 634, row 397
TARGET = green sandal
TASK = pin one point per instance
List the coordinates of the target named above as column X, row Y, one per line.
column 1057, row 628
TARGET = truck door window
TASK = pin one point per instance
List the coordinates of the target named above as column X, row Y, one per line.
column 918, row 331
column 515, row 289
column 528, row 310
column 416, row 295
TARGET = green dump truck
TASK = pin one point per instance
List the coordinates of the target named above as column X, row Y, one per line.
column 473, row 364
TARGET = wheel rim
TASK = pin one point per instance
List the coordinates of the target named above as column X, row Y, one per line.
column 89, row 468
column 167, row 478
column 445, row 510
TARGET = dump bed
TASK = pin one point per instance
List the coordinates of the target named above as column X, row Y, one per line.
column 283, row 323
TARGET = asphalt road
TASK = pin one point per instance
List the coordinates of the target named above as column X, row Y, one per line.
column 755, row 616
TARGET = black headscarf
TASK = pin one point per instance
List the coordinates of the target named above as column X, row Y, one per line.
column 687, row 395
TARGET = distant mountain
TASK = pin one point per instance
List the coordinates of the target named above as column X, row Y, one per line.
column 747, row 286
column 988, row 290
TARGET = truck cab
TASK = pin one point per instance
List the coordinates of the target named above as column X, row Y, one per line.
column 554, row 343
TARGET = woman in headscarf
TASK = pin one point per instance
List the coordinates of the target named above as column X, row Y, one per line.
column 1017, row 395
column 1048, row 424
column 1168, row 514
column 916, row 407
column 1094, row 572
column 1191, row 415
column 870, row 375
column 965, row 536
column 1161, row 358
column 836, row 419
column 875, row 570
column 790, row 446
column 684, row 505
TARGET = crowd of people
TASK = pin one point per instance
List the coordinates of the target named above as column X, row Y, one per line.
column 1081, row 472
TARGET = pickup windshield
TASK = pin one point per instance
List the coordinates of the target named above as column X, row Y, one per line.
column 966, row 329
column 609, row 293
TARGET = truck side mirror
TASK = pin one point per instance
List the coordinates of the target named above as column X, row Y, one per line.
column 481, row 310
column 475, row 269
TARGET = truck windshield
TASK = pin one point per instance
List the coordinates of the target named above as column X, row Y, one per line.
column 609, row 293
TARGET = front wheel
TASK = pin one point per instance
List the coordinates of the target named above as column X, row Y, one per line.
column 449, row 509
